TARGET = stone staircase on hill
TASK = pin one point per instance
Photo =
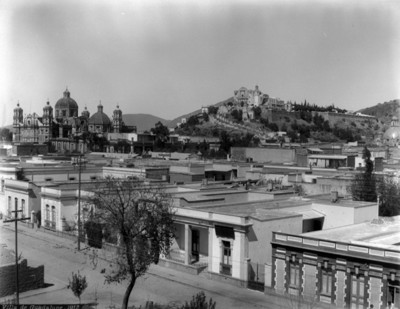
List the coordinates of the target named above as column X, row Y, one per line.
column 226, row 123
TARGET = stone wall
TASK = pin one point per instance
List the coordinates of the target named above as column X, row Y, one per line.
column 30, row 278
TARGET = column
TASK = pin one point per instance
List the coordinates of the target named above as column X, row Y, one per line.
column 211, row 233
column 188, row 244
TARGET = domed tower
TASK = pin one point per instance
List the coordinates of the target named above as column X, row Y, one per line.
column 18, row 115
column 117, row 120
column 66, row 107
column 47, row 114
column 99, row 122
column 85, row 113
column 18, row 119
column 45, row 134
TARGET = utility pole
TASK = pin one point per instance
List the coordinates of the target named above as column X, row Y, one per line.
column 15, row 220
column 79, row 202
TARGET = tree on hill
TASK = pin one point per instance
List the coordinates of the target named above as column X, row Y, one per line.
column 213, row 110
column 161, row 132
column 257, row 112
column 192, row 121
column 142, row 217
column 226, row 142
column 363, row 186
column 237, row 115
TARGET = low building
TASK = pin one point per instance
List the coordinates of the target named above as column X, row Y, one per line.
column 270, row 155
column 233, row 229
column 181, row 174
column 354, row 266
column 331, row 160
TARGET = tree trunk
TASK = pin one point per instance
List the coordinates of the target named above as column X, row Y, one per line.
column 128, row 293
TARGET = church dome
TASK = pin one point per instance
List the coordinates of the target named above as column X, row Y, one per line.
column 392, row 135
column 66, row 106
column 66, row 101
column 99, row 118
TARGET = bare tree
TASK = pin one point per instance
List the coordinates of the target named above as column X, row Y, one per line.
column 143, row 218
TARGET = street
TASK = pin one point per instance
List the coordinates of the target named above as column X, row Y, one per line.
column 160, row 284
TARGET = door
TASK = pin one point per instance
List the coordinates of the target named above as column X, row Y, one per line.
column 195, row 244
column 393, row 294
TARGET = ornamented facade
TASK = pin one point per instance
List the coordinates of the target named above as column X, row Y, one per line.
column 65, row 130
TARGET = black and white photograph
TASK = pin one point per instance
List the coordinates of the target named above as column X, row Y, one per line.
column 187, row 154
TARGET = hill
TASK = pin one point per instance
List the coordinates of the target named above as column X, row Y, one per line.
column 172, row 123
column 143, row 122
column 383, row 111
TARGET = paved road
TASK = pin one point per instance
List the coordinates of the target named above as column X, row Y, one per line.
column 161, row 285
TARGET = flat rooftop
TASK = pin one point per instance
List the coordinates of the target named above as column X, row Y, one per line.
column 383, row 232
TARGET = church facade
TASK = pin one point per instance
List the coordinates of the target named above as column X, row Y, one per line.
column 63, row 128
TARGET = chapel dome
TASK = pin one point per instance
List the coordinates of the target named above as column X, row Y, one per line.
column 99, row 118
column 66, row 101
column 393, row 133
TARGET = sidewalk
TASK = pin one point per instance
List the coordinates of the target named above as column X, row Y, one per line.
column 248, row 298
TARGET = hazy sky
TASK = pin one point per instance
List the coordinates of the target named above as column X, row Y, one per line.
column 168, row 58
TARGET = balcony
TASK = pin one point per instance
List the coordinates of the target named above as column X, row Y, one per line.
column 225, row 269
column 49, row 224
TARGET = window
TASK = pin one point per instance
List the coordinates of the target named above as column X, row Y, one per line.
column 325, row 284
column 48, row 179
column 294, row 274
column 23, row 208
column 357, row 292
column 393, row 292
column 72, row 178
column 53, row 217
column 9, row 206
column 47, row 212
column 64, row 113
column 93, row 177
column 226, row 264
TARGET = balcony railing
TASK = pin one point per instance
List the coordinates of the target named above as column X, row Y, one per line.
column 49, row 224
column 225, row 269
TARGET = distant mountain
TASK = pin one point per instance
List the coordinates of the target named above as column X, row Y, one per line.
column 143, row 122
column 383, row 111
column 172, row 123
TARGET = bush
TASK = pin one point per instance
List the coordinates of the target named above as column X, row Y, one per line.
column 77, row 284
column 199, row 302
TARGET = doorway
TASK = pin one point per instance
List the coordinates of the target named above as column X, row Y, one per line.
column 195, row 245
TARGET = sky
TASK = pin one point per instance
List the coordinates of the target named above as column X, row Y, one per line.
column 168, row 58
